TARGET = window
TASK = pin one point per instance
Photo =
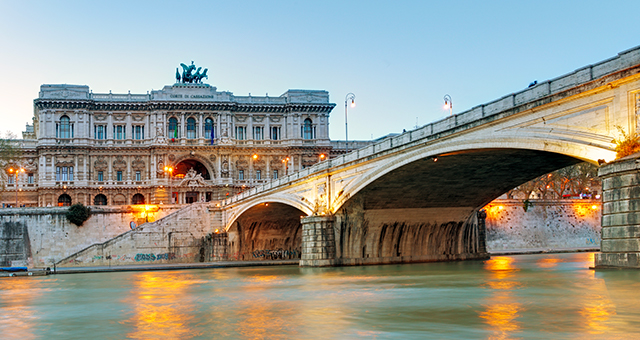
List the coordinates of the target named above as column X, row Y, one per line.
column 191, row 128
column 241, row 132
column 209, row 131
column 100, row 176
column 258, row 174
column 100, row 199
column 173, row 128
column 64, row 200
column 241, row 174
column 257, row 132
column 64, row 173
column 100, row 132
column 275, row 133
column 275, row 174
column 65, row 127
column 307, row 129
column 30, row 178
column 119, row 176
column 10, row 179
column 138, row 132
column 138, row 176
column 119, row 132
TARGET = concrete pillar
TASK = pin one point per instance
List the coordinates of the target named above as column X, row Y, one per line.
column 620, row 245
column 318, row 242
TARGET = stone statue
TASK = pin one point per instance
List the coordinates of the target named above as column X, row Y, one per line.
column 188, row 77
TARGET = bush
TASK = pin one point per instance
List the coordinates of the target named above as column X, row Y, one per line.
column 78, row 213
column 627, row 145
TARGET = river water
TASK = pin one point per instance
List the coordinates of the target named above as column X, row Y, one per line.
column 508, row 297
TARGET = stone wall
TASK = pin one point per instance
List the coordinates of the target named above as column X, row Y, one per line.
column 545, row 224
column 621, row 214
column 176, row 238
column 40, row 237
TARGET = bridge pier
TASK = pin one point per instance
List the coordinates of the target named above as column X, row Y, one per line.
column 318, row 242
column 620, row 247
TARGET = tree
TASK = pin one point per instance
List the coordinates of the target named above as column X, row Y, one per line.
column 571, row 181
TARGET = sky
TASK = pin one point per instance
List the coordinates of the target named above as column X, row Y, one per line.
column 399, row 58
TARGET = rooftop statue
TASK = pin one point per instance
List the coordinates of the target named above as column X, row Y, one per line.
column 188, row 77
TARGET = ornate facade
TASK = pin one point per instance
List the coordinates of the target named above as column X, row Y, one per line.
column 114, row 149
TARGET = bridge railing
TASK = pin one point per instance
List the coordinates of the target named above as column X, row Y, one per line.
column 538, row 94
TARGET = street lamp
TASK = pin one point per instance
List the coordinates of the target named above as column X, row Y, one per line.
column 448, row 104
column 322, row 157
column 352, row 97
column 168, row 169
column 286, row 166
column 15, row 182
column 255, row 158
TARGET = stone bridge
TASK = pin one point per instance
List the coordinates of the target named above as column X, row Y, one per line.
column 416, row 197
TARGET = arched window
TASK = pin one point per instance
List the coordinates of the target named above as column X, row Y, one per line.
column 191, row 128
column 100, row 199
column 137, row 199
column 64, row 200
column 65, row 127
column 173, row 128
column 209, row 131
column 307, row 132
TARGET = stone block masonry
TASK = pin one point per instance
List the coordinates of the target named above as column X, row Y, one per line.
column 621, row 214
column 545, row 225
column 318, row 242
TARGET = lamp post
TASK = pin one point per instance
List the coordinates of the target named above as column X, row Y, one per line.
column 168, row 169
column 15, row 182
column 352, row 97
column 255, row 158
column 448, row 104
column 286, row 166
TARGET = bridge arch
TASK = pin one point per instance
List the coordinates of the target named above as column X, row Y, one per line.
column 572, row 152
column 267, row 229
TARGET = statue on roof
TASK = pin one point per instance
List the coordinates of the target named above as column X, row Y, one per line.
column 188, row 77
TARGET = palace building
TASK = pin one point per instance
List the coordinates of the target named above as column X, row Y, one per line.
column 185, row 143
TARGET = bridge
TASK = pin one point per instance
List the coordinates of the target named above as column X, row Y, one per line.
column 417, row 197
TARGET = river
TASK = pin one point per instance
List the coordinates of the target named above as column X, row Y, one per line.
column 547, row 296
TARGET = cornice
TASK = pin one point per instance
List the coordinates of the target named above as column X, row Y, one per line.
column 91, row 105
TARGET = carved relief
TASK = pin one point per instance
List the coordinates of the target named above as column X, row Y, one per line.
column 138, row 163
column 171, row 157
column 275, row 119
column 160, row 167
column 138, row 117
column 119, row 163
column 212, row 157
column 100, row 117
column 119, row 117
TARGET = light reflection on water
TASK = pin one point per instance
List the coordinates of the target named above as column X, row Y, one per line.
column 506, row 297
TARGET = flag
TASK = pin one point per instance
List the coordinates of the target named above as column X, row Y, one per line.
column 175, row 133
column 212, row 135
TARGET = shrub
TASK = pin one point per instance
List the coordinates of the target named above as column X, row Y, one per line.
column 627, row 144
column 78, row 213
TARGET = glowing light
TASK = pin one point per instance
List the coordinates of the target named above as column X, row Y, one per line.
column 322, row 156
column 353, row 102
column 594, row 207
column 255, row 157
column 217, row 231
column 446, row 106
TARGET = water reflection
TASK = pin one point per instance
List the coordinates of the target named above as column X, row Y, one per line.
column 161, row 306
column 502, row 309
column 18, row 318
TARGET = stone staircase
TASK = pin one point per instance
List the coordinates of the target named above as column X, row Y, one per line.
column 175, row 238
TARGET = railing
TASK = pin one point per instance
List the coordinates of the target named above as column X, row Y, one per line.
column 119, row 97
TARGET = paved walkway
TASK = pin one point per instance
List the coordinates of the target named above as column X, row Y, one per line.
column 541, row 251
column 173, row 266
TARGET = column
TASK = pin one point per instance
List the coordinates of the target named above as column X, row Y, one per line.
column 318, row 242
column 620, row 245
